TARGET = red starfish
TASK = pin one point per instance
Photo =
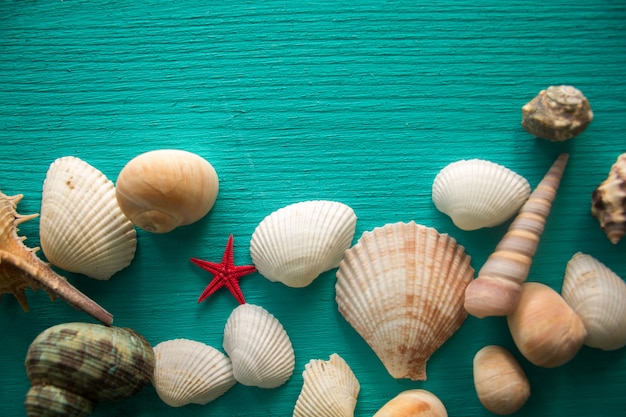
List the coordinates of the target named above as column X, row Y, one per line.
column 225, row 274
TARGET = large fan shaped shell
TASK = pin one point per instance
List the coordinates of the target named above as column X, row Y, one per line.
column 401, row 287
column 190, row 372
column 297, row 243
column 477, row 193
column 82, row 228
column 259, row 347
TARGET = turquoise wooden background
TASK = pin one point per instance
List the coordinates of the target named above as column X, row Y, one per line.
column 360, row 102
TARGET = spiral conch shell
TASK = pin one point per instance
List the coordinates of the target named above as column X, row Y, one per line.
column 497, row 289
column 413, row 403
column 20, row 268
column 73, row 366
column 609, row 201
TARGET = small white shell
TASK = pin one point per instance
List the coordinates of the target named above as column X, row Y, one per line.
column 296, row 243
column 190, row 372
column 476, row 193
column 598, row 296
column 82, row 228
column 330, row 389
column 259, row 347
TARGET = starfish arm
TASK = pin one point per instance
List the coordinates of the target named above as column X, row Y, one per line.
column 211, row 267
column 235, row 290
column 213, row 286
column 228, row 258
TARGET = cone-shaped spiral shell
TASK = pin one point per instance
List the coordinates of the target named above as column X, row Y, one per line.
column 598, row 296
column 401, row 288
column 296, row 243
column 190, row 372
column 497, row 289
column 82, row 228
column 258, row 346
column 609, row 201
column 413, row 403
column 477, row 193
column 330, row 389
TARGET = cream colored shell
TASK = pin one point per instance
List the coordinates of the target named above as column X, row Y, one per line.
column 166, row 188
column 297, row 243
column 477, row 193
column 82, row 228
column 598, row 296
column 190, row 372
column 258, row 346
column 401, row 287
column 413, row 403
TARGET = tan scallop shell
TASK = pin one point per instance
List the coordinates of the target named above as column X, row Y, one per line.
column 402, row 287
column 82, row 229
column 413, row 403
column 259, row 347
column 476, row 193
column 598, row 296
column 330, row 389
column 296, row 243
column 190, row 372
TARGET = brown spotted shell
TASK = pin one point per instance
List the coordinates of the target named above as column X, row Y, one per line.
column 609, row 201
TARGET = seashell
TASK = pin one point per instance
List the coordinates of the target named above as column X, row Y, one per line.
column 82, row 229
column 163, row 189
column 413, row 403
column 20, row 268
column 501, row 384
column 190, row 372
column 497, row 289
column 598, row 296
column 259, row 347
column 544, row 328
column 608, row 201
column 476, row 193
column 296, row 243
column 401, row 288
column 557, row 113
column 73, row 366
column 330, row 389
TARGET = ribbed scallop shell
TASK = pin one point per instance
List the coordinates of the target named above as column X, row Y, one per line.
column 330, row 389
column 190, row 372
column 476, row 193
column 296, row 243
column 598, row 296
column 258, row 347
column 402, row 288
column 82, row 228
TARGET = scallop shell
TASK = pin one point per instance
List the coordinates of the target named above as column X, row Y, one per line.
column 296, row 243
column 477, row 193
column 190, row 372
column 82, row 228
column 413, row 403
column 402, row 287
column 330, row 389
column 598, row 296
column 258, row 346
column 608, row 201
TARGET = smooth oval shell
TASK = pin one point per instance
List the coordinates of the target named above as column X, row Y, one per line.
column 296, row 243
column 608, row 201
column 190, row 372
column 501, row 384
column 82, row 228
column 477, row 193
column 598, row 296
column 166, row 188
column 401, row 287
column 258, row 346
column 413, row 403
column 330, row 389
column 544, row 328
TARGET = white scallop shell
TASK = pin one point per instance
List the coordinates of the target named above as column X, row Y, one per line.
column 402, row 288
column 259, row 347
column 190, row 372
column 476, row 193
column 296, row 243
column 598, row 296
column 330, row 389
column 82, row 228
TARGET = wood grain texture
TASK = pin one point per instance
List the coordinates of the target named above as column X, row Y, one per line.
column 357, row 102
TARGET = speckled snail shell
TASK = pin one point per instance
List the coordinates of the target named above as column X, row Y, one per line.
column 73, row 366
column 163, row 189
